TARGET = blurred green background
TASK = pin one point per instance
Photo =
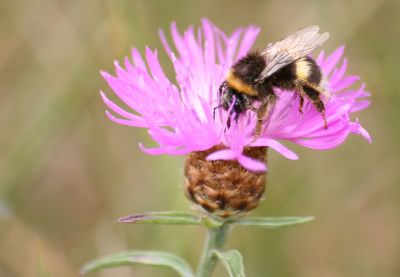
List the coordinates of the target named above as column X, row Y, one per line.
column 66, row 172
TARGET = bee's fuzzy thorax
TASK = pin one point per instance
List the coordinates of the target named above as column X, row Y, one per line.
column 224, row 188
column 248, row 68
column 243, row 73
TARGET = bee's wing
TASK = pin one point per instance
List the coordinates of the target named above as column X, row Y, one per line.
column 290, row 49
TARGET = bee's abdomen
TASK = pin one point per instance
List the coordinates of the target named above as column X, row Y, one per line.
column 284, row 77
column 307, row 69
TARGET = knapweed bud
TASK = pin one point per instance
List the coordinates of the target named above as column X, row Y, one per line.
column 224, row 187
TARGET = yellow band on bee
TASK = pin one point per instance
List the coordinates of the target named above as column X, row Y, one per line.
column 302, row 69
column 237, row 84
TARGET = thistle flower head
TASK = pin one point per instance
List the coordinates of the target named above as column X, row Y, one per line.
column 179, row 113
column 225, row 168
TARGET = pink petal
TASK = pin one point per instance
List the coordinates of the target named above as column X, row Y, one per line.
column 252, row 164
column 118, row 109
column 344, row 83
column 330, row 62
column 134, row 123
column 231, row 44
column 360, row 130
column 361, row 105
column 250, row 35
column 338, row 74
column 164, row 150
column 225, row 154
column 165, row 43
column 137, row 60
column 155, row 68
column 274, row 144
column 323, row 144
column 179, row 42
column 209, row 51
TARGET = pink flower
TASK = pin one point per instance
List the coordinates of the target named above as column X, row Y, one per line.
column 179, row 114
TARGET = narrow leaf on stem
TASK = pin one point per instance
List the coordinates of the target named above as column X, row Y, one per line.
column 233, row 262
column 178, row 218
column 271, row 222
column 154, row 258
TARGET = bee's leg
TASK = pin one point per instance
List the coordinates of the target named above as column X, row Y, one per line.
column 298, row 87
column 228, row 123
column 217, row 107
column 264, row 111
column 314, row 95
column 260, row 117
column 301, row 104
column 248, row 103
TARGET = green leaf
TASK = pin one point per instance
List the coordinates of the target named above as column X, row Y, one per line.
column 233, row 262
column 179, row 218
column 271, row 222
column 155, row 258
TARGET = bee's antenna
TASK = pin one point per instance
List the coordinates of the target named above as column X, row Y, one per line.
column 220, row 106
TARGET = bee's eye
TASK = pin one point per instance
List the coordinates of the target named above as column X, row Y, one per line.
column 238, row 102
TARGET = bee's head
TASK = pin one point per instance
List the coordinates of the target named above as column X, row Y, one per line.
column 231, row 100
column 228, row 95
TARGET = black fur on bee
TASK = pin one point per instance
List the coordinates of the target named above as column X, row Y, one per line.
column 248, row 68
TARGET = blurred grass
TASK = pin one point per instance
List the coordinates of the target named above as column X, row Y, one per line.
column 66, row 172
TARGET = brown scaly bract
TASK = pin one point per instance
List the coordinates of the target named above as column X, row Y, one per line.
column 224, row 188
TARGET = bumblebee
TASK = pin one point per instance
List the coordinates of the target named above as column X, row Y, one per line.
column 285, row 65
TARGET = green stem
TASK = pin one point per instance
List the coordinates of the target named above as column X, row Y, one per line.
column 216, row 238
